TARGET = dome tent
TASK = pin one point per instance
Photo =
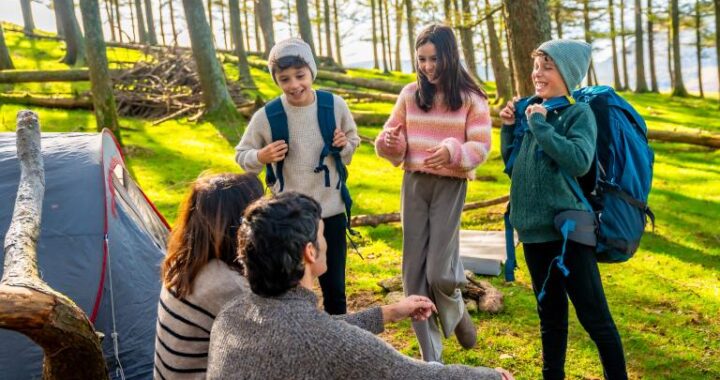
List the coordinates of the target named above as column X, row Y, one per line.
column 101, row 243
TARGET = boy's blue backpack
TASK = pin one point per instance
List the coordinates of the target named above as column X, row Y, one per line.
column 326, row 119
column 617, row 186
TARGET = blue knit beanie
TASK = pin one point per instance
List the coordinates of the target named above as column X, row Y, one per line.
column 571, row 57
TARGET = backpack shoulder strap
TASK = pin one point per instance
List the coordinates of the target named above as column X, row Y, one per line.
column 278, row 131
column 327, row 124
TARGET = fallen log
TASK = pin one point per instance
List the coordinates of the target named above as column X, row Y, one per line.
column 36, row 76
column 347, row 93
column 376, row 219
column 52, row 102
column 703, row 139
column 28, row 305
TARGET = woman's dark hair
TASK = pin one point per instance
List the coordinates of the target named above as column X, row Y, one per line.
column 207, row 226
column 286, row 62
column 455, row 81
column 272, row 238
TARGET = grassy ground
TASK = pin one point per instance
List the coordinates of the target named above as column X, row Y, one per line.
column 666, row 301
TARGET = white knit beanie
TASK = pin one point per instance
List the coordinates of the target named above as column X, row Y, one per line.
column 292, row 47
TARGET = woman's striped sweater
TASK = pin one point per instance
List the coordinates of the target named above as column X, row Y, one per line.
column 466, row 133
column 184, row 325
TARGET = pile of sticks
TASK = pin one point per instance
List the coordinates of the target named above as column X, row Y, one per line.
column 166, row 88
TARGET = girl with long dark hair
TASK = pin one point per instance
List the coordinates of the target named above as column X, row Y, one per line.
column 440, row 131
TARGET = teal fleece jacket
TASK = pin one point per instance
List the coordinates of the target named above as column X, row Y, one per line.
column 565, row 140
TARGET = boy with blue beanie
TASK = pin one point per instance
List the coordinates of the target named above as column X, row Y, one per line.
column 557, row 143
column 294, row 160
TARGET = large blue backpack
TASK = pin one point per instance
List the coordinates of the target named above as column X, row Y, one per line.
column 617, row 186
column 326, row 119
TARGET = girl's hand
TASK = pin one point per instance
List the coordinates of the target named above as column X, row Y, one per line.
column 418, row 308
column 439, row 156
column 505, row 374
column 507, row 114
column 339, row 139
column 535, row 108
column 273, row 152
column 392, row 137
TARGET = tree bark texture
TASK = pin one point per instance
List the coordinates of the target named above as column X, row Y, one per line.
column 303, row 16
column 698, row 46
column 151, row 35
column 679, row 84
column 528, row 26
column 626, row 81
column 411, row 32
column 328, row 32
column 215, row 93
column 264, row 10
column 466, row 38
column 388, row 39
column 28, row 22
column 383, row 40
column 28, row 76
column 651, row 46
column 373, row 24
column 27, row 304
column 500, row 71
column 613, row 33
column 74, row 44
column 5, row 60
column 318, row 24
column 100, row 84
column 235, row 27
column 398, row 33
column 58, row 20
column 640, row 82
column 142, row 32
column 336, row 23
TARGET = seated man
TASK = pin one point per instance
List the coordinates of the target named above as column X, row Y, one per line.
column 278, row 332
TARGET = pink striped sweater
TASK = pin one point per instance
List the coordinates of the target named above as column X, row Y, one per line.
column 466, row 133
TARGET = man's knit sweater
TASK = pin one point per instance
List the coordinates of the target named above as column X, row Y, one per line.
column 287, row 337
column 303, row 154
column 466, row 133
column 184, row 325
column 565, row 141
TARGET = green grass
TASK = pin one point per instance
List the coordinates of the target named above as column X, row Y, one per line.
column 665, row 301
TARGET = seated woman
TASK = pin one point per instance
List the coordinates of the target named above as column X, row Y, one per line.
column 278, row 332
column 200, row 273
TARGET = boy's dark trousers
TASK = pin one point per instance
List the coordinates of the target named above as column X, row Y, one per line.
column 585, row 290
column 333, row 281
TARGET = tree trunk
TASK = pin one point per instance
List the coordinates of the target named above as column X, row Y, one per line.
column 698, row 46
column 74, row 45
column 528, row 27
column 588, row 39
column 508, row 43
column 337, row 33
column 388, row 40
column 616, row 68
column 58, row 20
column 318, row 24
column 5, row 60
column 640, row 83
column 63, row 103
column 212, row 79
column 447, row 12
column 27, row 304
column 398, row 33
column 626, row 81
column 411, row 32
column 256, row 26
column 670, row 50
column 303, row 15
column 466, row 38
column 151, row 36
column 717, row 43
column 328, row 32
column 235, row 27
column 27, row 17
column 486, row 57
column 651, row 47
column 264, row 10
column 500, row 71
column 679, row 85
column 172, row 22
column 210, row 19
column 558, row 19
column 376, row 64
column 383, row 41
column 118, row 21
column 111, row 19
column 162, row 23
column 100, row 83
column 224, row 25
column 132, row 23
